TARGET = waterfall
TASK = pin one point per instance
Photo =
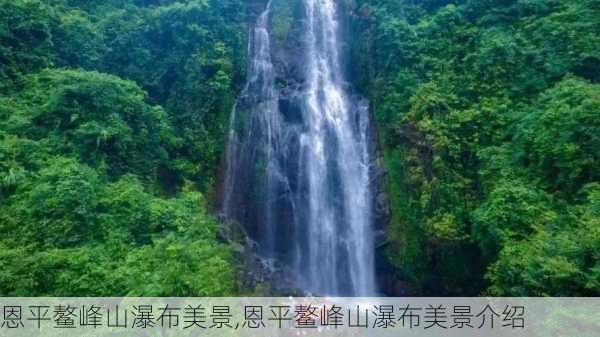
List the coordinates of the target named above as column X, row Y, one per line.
column 299, row 177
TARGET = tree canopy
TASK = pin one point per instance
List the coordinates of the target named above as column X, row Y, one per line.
column 112, row 119
column 489, row 117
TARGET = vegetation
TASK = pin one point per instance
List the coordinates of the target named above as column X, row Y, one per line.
column 489, row 116
column 112, row 117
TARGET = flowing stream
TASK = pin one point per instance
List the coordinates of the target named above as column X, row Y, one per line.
column 298, row 175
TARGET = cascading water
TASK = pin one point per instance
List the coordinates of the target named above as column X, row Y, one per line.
column 298, row 177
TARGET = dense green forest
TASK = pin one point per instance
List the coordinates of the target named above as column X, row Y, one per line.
column 489, row 119
column 113, row 118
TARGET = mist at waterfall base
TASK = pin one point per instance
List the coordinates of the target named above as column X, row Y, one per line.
column 298, row 169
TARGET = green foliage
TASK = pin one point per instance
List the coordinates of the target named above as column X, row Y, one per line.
column 113, row 115
column 62, row 199
column 560, row 134
column 77, row 41
column 190, row 57
column 512, row 211
column 562, row 262
column 25, row 39
column 73, row 234
column 488, row 113
column 112, row 118
column 199, row 269
column 100, row 118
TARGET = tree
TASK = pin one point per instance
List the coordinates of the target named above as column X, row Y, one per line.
column 560, row 135
column 101, row 119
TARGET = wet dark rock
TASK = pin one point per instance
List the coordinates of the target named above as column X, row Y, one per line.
column 265, row 277
column 258, row 205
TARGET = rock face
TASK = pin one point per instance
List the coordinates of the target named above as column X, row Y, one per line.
column 263, row 276
column 304, row 177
